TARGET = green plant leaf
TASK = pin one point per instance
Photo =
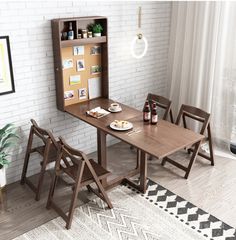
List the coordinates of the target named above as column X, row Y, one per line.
column 97, row 28
column 7, row 127
column 3, row 159
column 7, row 145
column 7, row 137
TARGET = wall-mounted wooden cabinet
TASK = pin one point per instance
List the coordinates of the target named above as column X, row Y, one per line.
column 81, row 64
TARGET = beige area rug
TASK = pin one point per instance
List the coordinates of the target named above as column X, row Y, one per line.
column 134, row 216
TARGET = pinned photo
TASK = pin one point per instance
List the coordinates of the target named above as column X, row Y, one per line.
column 75, row 79
column 68, row 95
column 96, row 69
column 80, row 65
column 94, row 87
column 78, row 50
column 67, row 63
column 95, row 50
column 82, row 93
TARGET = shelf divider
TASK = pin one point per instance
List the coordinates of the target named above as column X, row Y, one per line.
column 83, row 41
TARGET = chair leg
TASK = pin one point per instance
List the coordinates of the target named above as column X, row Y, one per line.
column 104, row 194
column 193, row 157
column 101, row 189
column 163, row 162
column 25, row 167
column 40, row 181
column 72, row 206
column 52, row 190
column 88, row 188
column 210, row 145
column 27, row 156
column 171, row 116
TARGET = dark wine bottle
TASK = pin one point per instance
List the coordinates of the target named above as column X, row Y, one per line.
column 146, row 112
column 154, row 117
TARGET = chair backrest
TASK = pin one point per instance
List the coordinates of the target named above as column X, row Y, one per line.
column 194, row 113
column 45, row 135
column 69, row 157
column 163, row 103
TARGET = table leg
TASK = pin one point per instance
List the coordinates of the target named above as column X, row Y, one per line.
column 143, row 172
column 102, row 152
column 193, row 157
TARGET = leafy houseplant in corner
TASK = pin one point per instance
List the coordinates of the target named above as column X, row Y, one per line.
column 97, row 29
column 8, row 138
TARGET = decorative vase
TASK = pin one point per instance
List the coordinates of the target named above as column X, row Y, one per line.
column 97, row 34
column 2, row 177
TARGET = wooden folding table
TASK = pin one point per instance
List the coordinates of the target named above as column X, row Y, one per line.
column 159, row 140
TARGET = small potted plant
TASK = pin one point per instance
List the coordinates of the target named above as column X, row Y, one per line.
column 96, row 28
column 8, row 138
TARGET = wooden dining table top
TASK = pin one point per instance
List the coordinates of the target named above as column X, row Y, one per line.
column 159, row 140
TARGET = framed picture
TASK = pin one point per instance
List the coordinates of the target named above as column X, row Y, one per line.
column 95, row 87
column 80, row 65
column 79, row 50
column 68, row 95
column 82, row 93
column 6, row 73
column 95, row 50
column 67, row 63
column 75, row 80
column 96, row 69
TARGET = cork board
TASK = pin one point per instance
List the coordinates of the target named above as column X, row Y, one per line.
column 88, row 60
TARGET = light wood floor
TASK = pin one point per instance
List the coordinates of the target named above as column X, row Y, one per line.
column 210, row 188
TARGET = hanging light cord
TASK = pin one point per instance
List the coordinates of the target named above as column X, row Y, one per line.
column 138, row 37
column 139, row 17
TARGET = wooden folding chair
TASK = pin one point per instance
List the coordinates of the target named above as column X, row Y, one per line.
column 83, row 172
column 48, row 152
column 163, row 103
column 202, row 117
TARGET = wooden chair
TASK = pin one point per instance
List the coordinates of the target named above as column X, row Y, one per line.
column 83, row 172
column 202, row 117
column 163, row 103
column 48, row 152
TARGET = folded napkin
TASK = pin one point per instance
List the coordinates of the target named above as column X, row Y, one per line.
column 97, row 112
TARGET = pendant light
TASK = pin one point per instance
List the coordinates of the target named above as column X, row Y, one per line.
column 138, row 39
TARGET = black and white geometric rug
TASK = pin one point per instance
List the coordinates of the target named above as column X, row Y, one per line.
column 157, row 215
column 204, row 223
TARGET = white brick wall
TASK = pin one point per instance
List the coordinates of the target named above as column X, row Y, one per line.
column 28, row 25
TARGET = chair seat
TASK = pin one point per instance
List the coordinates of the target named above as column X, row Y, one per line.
column 87, row 176
column 52, row 153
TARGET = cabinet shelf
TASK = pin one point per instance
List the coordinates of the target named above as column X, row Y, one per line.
column 83, row 41
column 76, row 73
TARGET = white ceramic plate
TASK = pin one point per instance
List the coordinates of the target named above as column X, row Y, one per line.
column 128, row 126
column 114, row 111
